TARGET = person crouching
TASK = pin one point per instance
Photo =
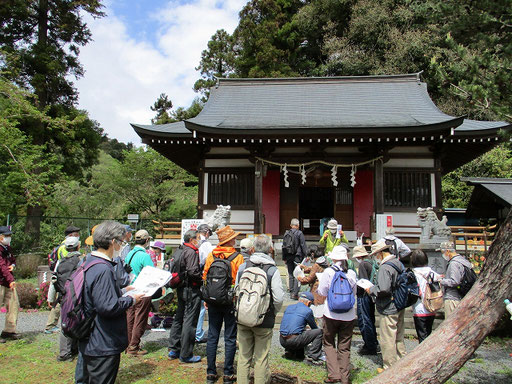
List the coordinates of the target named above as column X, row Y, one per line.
column 294, row 336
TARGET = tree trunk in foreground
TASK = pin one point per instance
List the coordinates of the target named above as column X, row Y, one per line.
column 444, row 352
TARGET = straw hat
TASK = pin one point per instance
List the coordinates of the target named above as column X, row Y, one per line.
column 225, row 234
column 338, row 253
column 359, row 251
column 379, row 246
column 89, row 240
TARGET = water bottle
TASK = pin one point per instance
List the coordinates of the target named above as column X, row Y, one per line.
column 508, row 305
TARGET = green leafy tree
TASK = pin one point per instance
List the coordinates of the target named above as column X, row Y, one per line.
column 151, row 183
column 216, row 62
column 40, row 42
column 165, row 114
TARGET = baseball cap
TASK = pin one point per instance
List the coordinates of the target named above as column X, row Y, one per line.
column 307, row 295
column 71, row 242
column 142, row 234
column 71, row 229
column 5, row 231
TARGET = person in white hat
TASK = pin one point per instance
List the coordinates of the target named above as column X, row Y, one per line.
column 340, row 324
column 392, row 320
column 330, row 239
column 365, row 305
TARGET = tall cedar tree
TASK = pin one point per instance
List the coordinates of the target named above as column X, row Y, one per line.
column 40, row 42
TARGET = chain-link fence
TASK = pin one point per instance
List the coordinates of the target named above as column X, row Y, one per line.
column 52, row 230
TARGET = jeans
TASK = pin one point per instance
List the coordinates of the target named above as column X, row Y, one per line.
column 80, row 376
column 200, row 322
column 216, row 316
column 366, row 322
column 182, row 336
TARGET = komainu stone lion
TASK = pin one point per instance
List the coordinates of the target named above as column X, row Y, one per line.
column 433, row 230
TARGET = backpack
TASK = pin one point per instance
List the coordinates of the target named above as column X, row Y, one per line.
column 468, row 279
column 179, row 275
column 433, row 295
column 340, row 297
column 218, row 289
column 75, row 322
column 253, row 296
column 393, row 248
column 375, row 272
column 289, row 243
column 406, row 290
column 53, row 257
column 66, row 267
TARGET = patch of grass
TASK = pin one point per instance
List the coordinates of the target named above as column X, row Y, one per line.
column 505, row 371
column 477, row 361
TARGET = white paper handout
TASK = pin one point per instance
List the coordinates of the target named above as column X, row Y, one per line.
column 363, row 283
column 148, row 281
column 298, row 272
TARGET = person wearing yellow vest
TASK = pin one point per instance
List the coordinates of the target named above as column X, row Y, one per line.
column 329, row 239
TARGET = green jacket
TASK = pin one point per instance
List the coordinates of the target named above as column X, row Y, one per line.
column 331, row 241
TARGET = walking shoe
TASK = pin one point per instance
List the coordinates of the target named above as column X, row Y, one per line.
column 202, row 340
column 211, row 379
column 191, row 359
column 65, row 358
column 363, row 351
column 136, row 351
column 230, row 379
column 173, row 355
column 52, row 330
column 10, row 336
column 312, row 361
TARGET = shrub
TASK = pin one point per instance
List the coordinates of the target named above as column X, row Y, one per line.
column 26, row 265
column 42, row 295
column 27, row 295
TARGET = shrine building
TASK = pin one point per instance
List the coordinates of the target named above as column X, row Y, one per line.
column 352, row 148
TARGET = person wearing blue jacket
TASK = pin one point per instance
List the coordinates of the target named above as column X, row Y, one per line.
column 101, row 351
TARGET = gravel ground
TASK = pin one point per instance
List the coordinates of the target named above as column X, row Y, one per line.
column 492, row 363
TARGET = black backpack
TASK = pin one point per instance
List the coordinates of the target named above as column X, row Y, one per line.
column 218, row 287
column 67, row 265
column 289, row 243
column 406, row 290
column 468, row 280
column 178, row 273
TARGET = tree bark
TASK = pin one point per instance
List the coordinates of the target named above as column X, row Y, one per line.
column 444, row 352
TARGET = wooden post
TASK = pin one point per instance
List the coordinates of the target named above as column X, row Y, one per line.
column 437, row 180
column 378, row 187
column 258, row 196
column 200, row 190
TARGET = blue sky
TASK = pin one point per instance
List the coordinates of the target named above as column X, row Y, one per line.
column 143, row 48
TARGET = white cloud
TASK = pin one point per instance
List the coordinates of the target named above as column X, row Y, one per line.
column 124, row 76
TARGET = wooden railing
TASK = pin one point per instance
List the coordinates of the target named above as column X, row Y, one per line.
column 172, row 229
column 473, row 238
column 408, row 233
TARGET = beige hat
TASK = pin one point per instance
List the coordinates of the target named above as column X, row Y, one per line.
column 247, row 243
column 332, row 224
column 338, row 253
column 359, row 251
column 142, row 234
column 379, row 246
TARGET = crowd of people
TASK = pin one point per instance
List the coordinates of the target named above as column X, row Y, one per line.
column 220, row 280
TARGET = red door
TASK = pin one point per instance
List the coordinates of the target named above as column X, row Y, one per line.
column 363, row 201
column 270, row 204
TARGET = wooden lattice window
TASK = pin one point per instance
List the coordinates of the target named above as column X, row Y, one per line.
column 407, row 189
column 234, row 188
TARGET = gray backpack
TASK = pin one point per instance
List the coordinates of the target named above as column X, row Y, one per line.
column 253, row 297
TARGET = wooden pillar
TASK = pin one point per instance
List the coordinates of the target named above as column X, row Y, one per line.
column 437, row 181
column 200, row 190
column 378, row 187
column 258, row 197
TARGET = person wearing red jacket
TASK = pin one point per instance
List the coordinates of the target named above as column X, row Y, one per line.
column 8, row 295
